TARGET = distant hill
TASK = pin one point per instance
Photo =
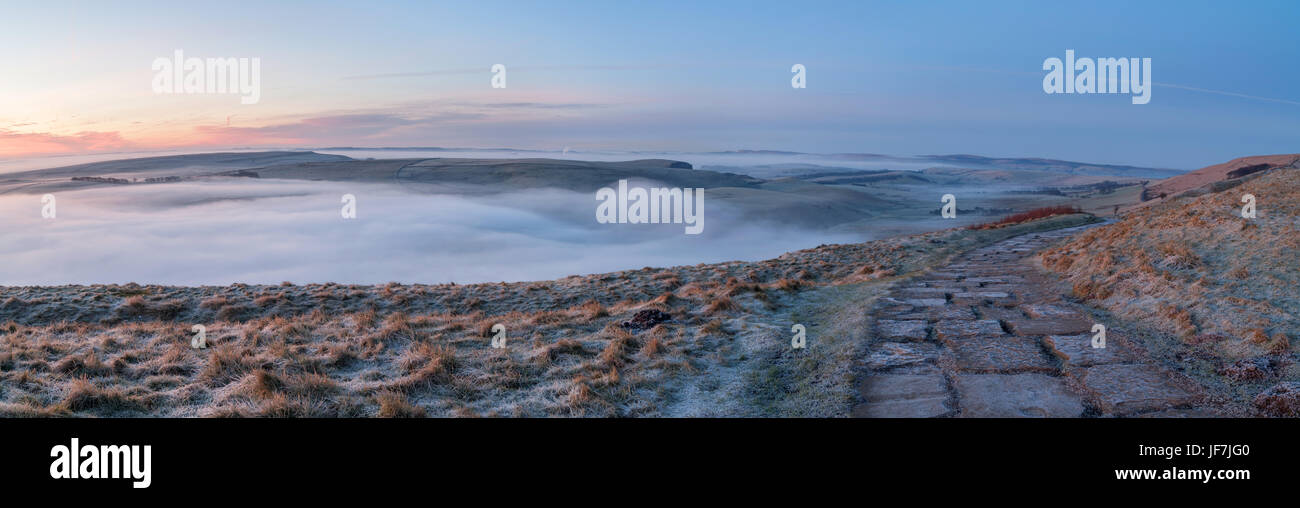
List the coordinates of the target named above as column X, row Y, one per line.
column 182, row 164
column 1051, row 165
column 164, row 168
column 509, row 174
column 810, row 196
column 1233, row 169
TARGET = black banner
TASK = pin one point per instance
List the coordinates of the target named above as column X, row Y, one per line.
column 323, row 457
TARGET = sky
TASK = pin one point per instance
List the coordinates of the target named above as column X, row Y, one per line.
column 899, row 78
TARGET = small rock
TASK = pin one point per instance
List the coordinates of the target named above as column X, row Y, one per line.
column 646, row 319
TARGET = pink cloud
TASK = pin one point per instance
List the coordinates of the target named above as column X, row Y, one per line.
column 24, row 144
column 444, row 121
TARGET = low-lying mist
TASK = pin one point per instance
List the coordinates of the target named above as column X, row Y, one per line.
column 267, row 231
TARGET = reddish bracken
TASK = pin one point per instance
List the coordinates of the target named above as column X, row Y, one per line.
column 1282, row 400
column 1036, row 213
column 1249, row 370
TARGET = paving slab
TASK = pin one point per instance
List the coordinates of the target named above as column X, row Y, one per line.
column 1001, row 279
column 903, row 396
column 926, row 292
column 999, row 313
column 889, row 355
column 1077, row 351
column 979, row 297
column 952, row 328
column 896, row 329
column 1007, row 354
column 1050, row 326
column 1043, row 310
column 1125, row 389
column 1015, row 396
column 952, row 312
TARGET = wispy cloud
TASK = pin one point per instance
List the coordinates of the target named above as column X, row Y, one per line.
column 541, row 105
column 524, row 68
column 1229, row 94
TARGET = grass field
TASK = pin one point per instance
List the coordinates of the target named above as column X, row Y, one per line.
column 420, row 350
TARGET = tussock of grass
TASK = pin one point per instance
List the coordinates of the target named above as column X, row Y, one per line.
column 84, row 395
column 721, row 304
column 593, row 310
column 395, row 405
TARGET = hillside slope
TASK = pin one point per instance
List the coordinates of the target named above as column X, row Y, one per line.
column 1236, row 168
column 1222, row 286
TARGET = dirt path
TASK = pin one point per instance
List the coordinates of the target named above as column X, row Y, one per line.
column 991, row 335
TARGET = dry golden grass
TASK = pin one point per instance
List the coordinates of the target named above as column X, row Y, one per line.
column 720, row 305
column 1195, row 268
column 395, row 405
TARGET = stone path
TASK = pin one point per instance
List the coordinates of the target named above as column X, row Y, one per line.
column 990, row 335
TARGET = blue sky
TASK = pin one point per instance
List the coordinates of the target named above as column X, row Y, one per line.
column 883, row 77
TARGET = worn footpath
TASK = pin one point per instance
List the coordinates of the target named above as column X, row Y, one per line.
column 992, row 335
